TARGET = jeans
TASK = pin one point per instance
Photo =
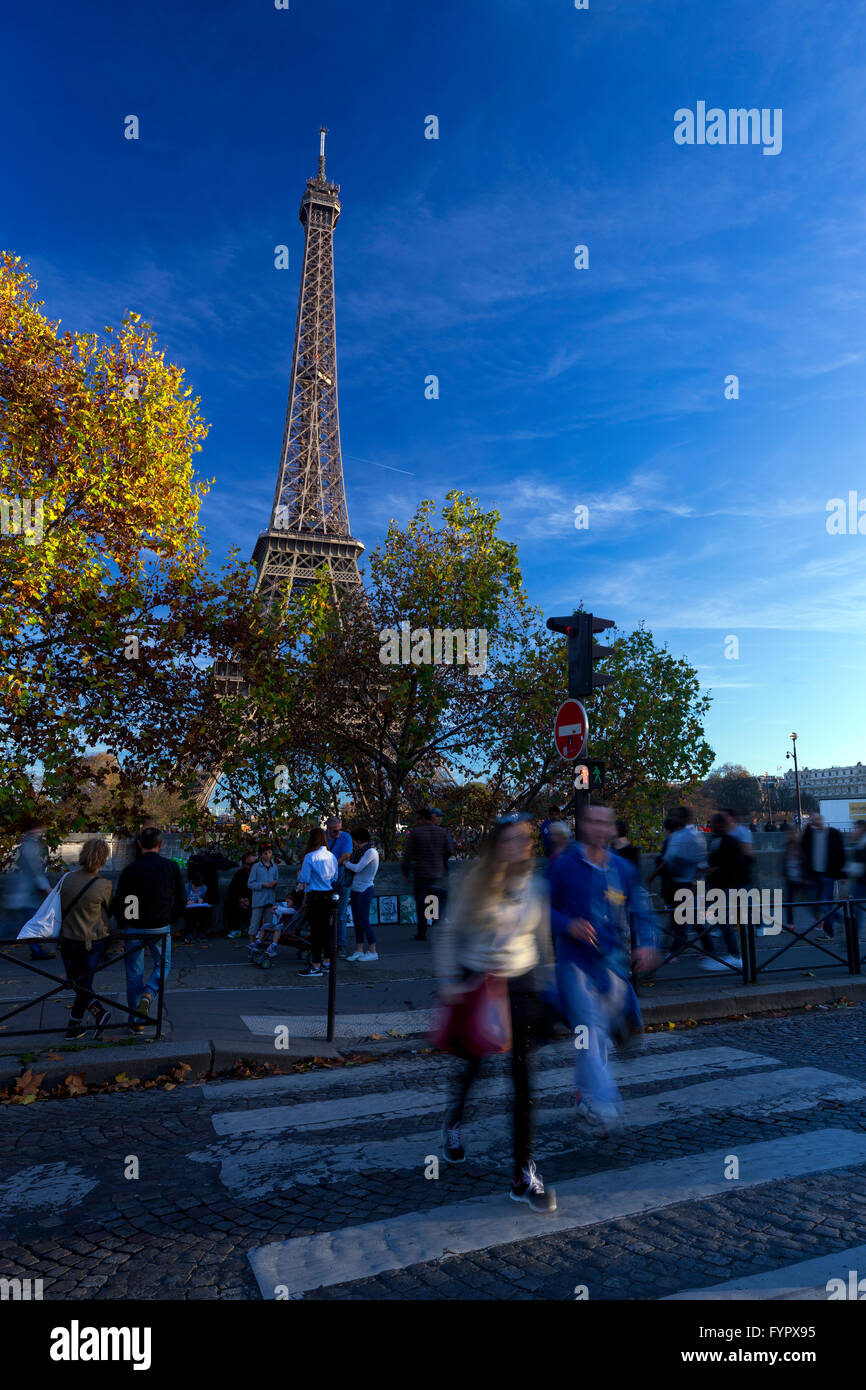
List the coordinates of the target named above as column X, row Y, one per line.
column 364, row 934
column 794, row 892
column 424, row 889
column 524, row 1002
column 730, row 936
column 823, row 890
column 135, row 945
column 587, row 1007
column 80, row 965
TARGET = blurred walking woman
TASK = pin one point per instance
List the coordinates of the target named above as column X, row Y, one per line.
column 500, row 928
column 84, row 930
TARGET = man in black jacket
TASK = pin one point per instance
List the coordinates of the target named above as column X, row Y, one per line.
column 149, row 894
column 729, row 870
column 823, row 866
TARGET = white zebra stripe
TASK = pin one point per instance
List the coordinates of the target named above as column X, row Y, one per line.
column 290, row 1268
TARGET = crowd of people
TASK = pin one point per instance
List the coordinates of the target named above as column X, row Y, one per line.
column 567, row 944
column 571, row 949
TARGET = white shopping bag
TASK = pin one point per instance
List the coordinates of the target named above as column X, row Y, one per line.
column 45, row 922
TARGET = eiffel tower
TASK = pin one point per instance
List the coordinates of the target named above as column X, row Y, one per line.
column 309, row 522
column 309, row 525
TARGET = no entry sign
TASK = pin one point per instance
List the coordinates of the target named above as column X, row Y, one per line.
column 570, row 730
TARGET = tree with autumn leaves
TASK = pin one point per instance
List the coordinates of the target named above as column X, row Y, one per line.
column 110, row 618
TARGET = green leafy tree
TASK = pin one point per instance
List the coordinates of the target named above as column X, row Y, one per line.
column 647, row 726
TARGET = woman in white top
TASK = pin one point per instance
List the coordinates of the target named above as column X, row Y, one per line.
column 362, row 891
column 317, row 876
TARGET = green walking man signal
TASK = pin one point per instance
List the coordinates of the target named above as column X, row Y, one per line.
column 589, row 776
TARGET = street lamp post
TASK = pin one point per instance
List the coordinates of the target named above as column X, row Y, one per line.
column 797, row 781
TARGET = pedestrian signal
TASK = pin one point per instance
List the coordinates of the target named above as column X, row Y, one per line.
column 596, row 775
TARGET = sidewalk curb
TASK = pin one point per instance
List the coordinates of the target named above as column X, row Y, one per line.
column 97, row 1065
column 147, row 1060
column 753, row 999
column 224, row 1055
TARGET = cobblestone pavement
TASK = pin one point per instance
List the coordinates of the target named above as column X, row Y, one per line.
column 231, row 1175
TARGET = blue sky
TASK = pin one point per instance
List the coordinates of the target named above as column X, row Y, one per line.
column 558, row 387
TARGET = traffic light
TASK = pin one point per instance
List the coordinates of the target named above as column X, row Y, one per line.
column 583, row 652
column 596, row 776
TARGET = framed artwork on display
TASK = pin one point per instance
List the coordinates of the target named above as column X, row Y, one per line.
column 388, row 909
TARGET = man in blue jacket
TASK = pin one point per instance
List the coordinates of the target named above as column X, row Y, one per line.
column 602, row 921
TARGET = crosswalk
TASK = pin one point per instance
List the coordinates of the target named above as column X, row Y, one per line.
column 348, row 1125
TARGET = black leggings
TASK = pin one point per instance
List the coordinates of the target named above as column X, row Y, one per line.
column 319, row 907
column 525, row 1015
column 80, row 965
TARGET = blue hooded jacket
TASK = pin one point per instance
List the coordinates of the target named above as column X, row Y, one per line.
column 612, row 898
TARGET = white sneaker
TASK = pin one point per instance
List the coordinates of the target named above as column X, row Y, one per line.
column 711, row 963
column 356, row 955
column 371, row 955
column 734, row 961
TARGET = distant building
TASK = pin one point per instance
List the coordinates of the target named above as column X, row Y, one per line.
column 824, row 783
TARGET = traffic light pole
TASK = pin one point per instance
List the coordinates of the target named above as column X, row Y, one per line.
column 583, row 651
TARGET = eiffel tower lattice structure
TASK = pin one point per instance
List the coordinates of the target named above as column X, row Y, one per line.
column 309, row 525
column 309, row 522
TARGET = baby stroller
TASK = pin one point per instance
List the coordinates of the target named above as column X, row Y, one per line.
column 286, row 923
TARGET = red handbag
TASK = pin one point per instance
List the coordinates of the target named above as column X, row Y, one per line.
column 477, row 1023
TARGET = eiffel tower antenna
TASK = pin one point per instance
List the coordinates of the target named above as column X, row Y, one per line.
column 309, row 523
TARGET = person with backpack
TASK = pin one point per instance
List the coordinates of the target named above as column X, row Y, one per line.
column 85, row 899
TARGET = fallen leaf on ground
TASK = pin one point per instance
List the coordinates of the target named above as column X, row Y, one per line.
column 28, row 1084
